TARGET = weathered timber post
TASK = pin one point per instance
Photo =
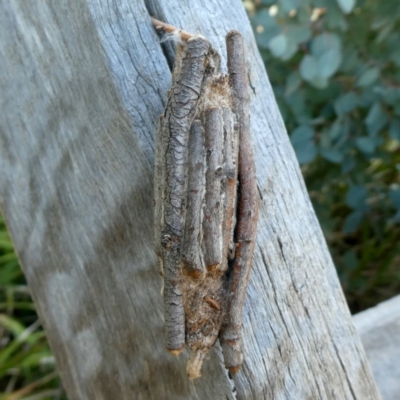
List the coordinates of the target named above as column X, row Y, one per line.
column 82, row 84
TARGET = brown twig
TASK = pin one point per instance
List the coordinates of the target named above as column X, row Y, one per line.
column 247, row 206
column 162, row 26
column 174, row 131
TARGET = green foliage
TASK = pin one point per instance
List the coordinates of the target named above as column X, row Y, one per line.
column 26, row 363
column 334, row 66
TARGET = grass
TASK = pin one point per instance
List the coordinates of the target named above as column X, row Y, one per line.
column 27, row 367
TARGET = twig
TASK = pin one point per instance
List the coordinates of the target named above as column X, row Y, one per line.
column 162, row 26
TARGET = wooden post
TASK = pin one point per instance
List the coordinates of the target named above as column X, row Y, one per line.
column 82, row 84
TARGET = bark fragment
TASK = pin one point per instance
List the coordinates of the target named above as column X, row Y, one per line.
column 212, row 223
column 191, row 257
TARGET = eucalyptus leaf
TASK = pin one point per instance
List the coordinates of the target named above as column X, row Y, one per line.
column 278, row 45
column 264, row 38
column 319, row 82
column 269, row 28
column 297, row 104
column 351, row 61
column 332, row 155
column 346, row 5
column 290, row 51
column 394, row 129
column 376, row 119
column 390, row 95
column 368, row 97
column 356, row 196
column 308, row 68
column 302, row 139
column 365, row 145
column 289, row 5
column 298, row 34
column 293, row 83
column 323, row 43
column 346, row 103
column 325, row 141
column 353, row 221
column 301, row 135
column 396, row 109
column 368, row 77
column 305, row 154
column 264, row 19
column 348, row 164
column 395, row 57
column 334, row 17
column 336, row 130
column 329, row 62
column 385, row 32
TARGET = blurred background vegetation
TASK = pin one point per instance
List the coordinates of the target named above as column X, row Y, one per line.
column 27, row 369
column 334, row 67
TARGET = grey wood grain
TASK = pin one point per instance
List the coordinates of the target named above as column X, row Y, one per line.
column 82, row 84
column 77, row 147
column 379, row 329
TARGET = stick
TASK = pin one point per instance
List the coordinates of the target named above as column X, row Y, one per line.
column 231, row 336
column 178, row 117
column 196, row 187
column 162, row 26
column 212, row 223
